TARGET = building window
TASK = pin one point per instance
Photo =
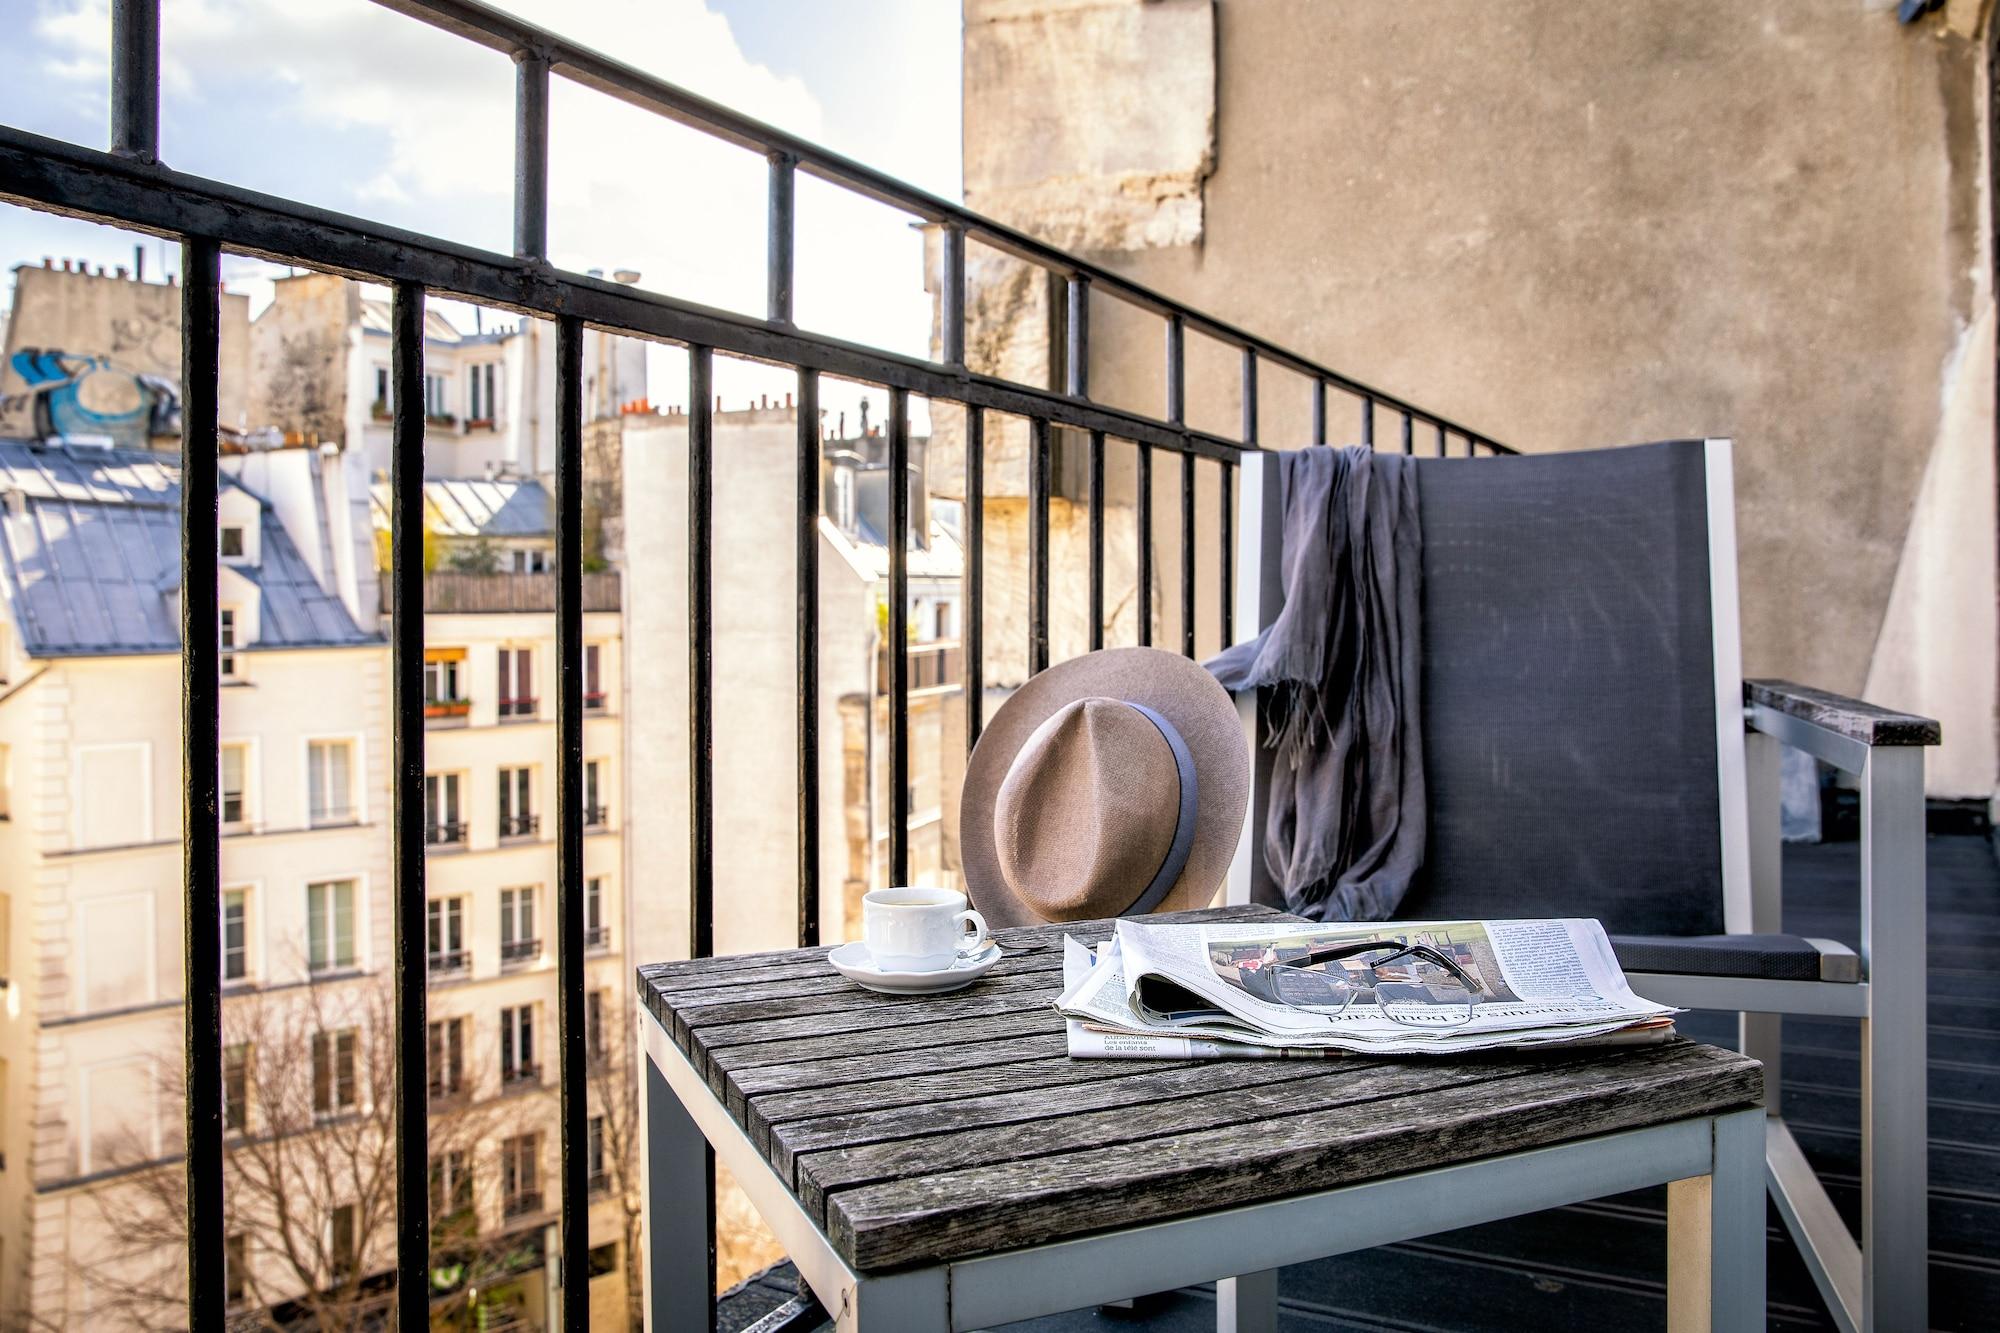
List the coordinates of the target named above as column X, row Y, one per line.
column 593, row 682
column 227, row 665
column 436, row 396
column 330, row 782
column 517, row 682
column 330, row 925
column 596, row 935
column 451, row 1187
column 533, row 561
column 341, row 1241
column 235, row 1268
column 236, row 1087
column 235, row 777
column 479, row 387
column 444, row 683
column 517, row 1046
column 334, row 1087
column 230, row 542
column 235, row 934
column 447, row 1057
column 444, row 820
column 594, row 813
column 446, row 939
column 600, row 1178
column 381, row 388
column 517, row 816
column 521, row 1174
column 518, row 941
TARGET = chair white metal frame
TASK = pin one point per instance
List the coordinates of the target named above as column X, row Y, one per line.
column 1880, row 1283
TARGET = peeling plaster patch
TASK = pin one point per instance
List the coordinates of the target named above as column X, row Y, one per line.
column 1111, row 105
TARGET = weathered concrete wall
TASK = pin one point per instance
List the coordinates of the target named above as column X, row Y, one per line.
column 133, row 326
column 1573, row 227
column 300, row 356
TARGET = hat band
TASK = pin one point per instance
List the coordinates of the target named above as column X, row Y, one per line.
column 1177, row 852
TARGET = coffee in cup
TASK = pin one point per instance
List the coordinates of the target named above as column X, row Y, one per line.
column 919, row 929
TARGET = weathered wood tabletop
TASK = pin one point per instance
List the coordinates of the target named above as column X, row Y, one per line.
column 921, row 1129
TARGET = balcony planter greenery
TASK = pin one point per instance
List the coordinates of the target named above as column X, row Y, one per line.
column 447, row 707
column 379, row 410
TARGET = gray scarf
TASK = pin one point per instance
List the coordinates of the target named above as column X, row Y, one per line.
column 1345, row 834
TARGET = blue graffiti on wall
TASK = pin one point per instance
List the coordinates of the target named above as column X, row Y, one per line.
column 90, row 395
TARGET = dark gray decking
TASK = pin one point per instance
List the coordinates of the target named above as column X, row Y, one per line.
column 1603, row 1265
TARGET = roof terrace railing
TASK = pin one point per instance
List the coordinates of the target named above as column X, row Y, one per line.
column 129, row 187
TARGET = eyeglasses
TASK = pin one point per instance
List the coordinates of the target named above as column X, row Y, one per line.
column 1411, row 999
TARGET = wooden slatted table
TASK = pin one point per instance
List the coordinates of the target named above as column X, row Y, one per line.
column 936, row 1163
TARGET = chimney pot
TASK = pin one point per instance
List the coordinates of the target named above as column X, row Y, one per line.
column 788, row 400
column 48, row 261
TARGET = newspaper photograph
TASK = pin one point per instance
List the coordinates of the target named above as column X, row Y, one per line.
column 1391, row 988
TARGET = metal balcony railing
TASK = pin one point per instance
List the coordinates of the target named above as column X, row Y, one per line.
column 129, row 187
column 514, row 953
column 445, row 835
column 520, row 826
column 449, row 962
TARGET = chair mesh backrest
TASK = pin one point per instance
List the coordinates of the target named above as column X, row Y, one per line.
column 1569, row 690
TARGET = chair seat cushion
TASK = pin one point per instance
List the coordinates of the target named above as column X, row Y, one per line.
column 1768, row 957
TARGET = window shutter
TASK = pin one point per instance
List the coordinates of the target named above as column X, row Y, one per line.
column 316, row 926
column 343, row 922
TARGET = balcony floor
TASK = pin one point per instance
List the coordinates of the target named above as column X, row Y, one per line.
column 1603, row 1264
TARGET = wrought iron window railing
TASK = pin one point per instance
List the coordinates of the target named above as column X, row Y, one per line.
column 128, row 186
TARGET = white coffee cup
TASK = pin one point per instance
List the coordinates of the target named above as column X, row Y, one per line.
column 920, row 930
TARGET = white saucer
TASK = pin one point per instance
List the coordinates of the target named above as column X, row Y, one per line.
column 854, row 962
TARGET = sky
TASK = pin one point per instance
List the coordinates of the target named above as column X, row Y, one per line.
column 349, row 106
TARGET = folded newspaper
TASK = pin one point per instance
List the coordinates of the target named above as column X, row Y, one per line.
column 1175, row 992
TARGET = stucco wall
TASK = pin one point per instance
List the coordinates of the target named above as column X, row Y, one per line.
column 134, row 326
column 1573, row 227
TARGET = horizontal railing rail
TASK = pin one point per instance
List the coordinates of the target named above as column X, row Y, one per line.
column 130, row 187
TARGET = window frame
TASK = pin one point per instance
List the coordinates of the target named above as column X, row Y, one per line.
column 242, row 948
column 336, row 1057
column 517, row 1045
column 329, row 920
column 357, row 797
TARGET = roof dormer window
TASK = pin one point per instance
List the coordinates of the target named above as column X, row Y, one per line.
column 232, row 543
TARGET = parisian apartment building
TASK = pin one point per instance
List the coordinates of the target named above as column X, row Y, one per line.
column 90, row 815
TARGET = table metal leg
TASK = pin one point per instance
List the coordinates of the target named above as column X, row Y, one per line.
column 680, row 1214
column 1715, row 1234
column 1247, row 1303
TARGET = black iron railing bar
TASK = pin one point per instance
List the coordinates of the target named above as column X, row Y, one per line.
column 1319, row 412
column 135, row 79
column 1143, row 523
column 1038, row 545
column 572, row 1031
column 1096, row 540
column 701, row 651
column 1187, row 556
column 1367, row 422
column 201, row 705
column 409, row 833
column 899, row 636
column 781, row 243
column 806, row 562
column 503, row 32
column 975, row 575
column 531, row 154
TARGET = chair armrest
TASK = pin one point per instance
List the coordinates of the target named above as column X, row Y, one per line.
column 1834, row 727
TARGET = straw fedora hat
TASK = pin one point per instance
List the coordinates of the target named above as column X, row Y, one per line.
column 1109, row 785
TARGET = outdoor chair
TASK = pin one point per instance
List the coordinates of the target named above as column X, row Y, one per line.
column 1591, row 749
